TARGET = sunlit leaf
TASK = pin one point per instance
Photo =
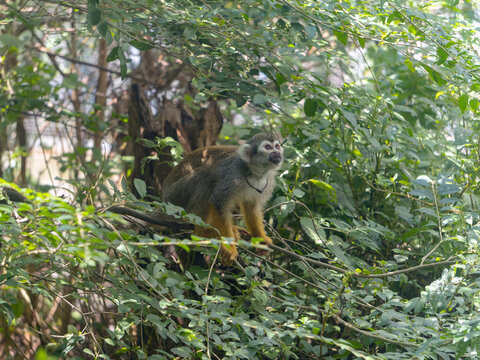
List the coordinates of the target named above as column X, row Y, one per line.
column 409, row 64
column 341, row 36
column 442, row 55
column 474, row 104
column 141, row 187
column 463, row 102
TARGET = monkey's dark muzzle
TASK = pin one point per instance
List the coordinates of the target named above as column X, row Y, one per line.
column 275, row 158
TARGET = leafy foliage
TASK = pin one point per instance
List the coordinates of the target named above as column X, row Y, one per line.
column 375, row 214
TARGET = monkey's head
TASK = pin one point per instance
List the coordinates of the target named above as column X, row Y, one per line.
column 263, row 153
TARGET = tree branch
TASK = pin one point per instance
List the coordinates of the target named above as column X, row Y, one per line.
column 355, row 274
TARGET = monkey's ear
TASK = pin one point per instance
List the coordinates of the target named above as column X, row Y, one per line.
column 245, row 152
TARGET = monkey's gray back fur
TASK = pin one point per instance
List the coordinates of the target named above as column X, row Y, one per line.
column 216, row 175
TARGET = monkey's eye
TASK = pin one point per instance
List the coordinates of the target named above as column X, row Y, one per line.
column 268, row 147
column 277, row 146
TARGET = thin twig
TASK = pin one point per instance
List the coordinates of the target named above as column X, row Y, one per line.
column 44, row 50
column 207, row 322
column 439, row 220
column 360, row 275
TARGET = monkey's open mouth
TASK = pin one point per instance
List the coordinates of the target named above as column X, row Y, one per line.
column 275, row 158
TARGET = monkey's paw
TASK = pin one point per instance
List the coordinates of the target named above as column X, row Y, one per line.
column 241, row 233
column 228, row 254
column 267, row 241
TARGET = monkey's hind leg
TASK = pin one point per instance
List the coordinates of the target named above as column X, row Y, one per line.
column 253, row 217
column 224, row 224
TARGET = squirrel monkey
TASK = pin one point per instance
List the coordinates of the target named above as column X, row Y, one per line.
column 215, row 180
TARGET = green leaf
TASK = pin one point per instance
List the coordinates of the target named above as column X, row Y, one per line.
column 409, row 64
column 412, row 29
column 474, row 104
column 7, row 311
column 341, row 36
column 311, row 31
column 350, row 117
column 310, row 107
column 448, row 189
column 239, row 100
column 428, row 211
column 463, row 102
column 71, row 81
column 442, row 55
column 395, row 16
column 88, row 352
column 423, row 180
column 124, row 184
column 182, row 351
column 298, row 193
column 102, row 28
column 315, row 233
column 123, row 70
column 251, row 271
column 434, row 74
column 154, row 319
column 94, row 16
column 259, row 99
column 141, row 45
column 404, row 213
column 326, row 191
column 10, row 41
column 421, row 193
column 280, row 78
column 113, row 55
column 189, row 32
column 114, row 187
column 438, row 78
column 361, row 41
column 141, row 187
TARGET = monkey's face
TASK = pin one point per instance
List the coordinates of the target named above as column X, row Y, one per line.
column 266, row 156
column 263, row 153
column 273, row 151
